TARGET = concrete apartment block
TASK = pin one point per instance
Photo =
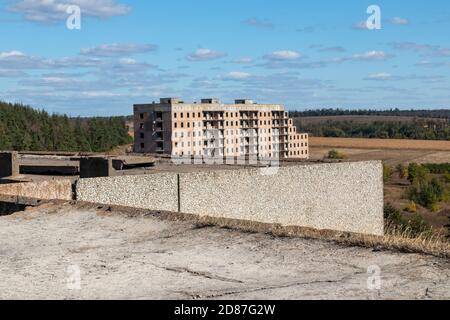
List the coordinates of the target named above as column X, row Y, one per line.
column 9, row 164
column 344, row 197
column 157, row 191
column 213, row 129
column 92, row 167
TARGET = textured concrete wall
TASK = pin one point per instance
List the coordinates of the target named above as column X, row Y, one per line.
column 60, row 189
column 153, row 191
column 341, row 196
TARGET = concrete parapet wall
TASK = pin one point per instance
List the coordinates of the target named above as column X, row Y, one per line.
column 153, row 191
column 60, row 189
column 336, row 196
column 342, row 196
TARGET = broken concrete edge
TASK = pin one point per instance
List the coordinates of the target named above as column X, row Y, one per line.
column 9, row 164
column 345, row 239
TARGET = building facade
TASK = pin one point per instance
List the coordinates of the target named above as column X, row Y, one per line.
column 213, row 129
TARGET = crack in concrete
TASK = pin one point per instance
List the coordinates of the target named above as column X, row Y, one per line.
column 206, row 275
column 278, row 287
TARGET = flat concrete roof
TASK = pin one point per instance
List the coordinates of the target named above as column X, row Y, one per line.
column 149, row 257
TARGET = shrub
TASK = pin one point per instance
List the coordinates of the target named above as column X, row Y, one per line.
column 334, row 154
column 415, row 227
column 387, row 173
column 402, row 171
column 411, row 207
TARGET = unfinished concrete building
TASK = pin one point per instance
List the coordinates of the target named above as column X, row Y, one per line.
column 213, row 129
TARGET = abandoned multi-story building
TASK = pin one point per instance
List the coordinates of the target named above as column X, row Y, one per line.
column 213, row 129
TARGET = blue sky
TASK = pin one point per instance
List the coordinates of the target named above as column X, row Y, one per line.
column 302, row 54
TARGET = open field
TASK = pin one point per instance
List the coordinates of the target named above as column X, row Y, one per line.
column 391, row 151
column 120, row 256
column 396, row 144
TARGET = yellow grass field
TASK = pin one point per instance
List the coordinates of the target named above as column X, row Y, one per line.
column 391, row 152
column 398, row 144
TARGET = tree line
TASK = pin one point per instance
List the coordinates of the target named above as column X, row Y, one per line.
column 417, row 130
column 23, row 128
column 438, row 113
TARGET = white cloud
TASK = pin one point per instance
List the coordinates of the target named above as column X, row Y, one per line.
column 244, row 60
column 283, row 55
column 115, row 49
column 362, row 25
column 204, row 55
column 399, row 21
column 9, row 73
column 96, row 94
column 389, row 77
column 379, row 76
column 369, row 56
column 11, row 54
column 19, row 60
column 236, row 75
column 48, row 11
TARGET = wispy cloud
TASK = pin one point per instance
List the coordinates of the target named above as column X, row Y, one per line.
column 361, row 25
column 258, row 23
column 383, row 76
column 424, row 49
column 49, row 11
column 117, row 50
column 236, row 75
column 244, row 60
column 205, row 55
column 369, row 56
column 283, row 55
column 399, row 21
column 332, row 49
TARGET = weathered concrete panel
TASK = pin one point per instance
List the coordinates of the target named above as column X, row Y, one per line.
column 60, row 189
column 153, row 191
column 343, row 196
column 9, row 164
column 91, row 167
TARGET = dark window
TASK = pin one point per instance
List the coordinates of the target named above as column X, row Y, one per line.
column 142, row 135
column 142, row 145
column 141, row 116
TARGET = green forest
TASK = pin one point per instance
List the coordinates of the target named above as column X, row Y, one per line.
column 438, row 113
column 399, row 124
column 417, row 130
column 26, row 129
